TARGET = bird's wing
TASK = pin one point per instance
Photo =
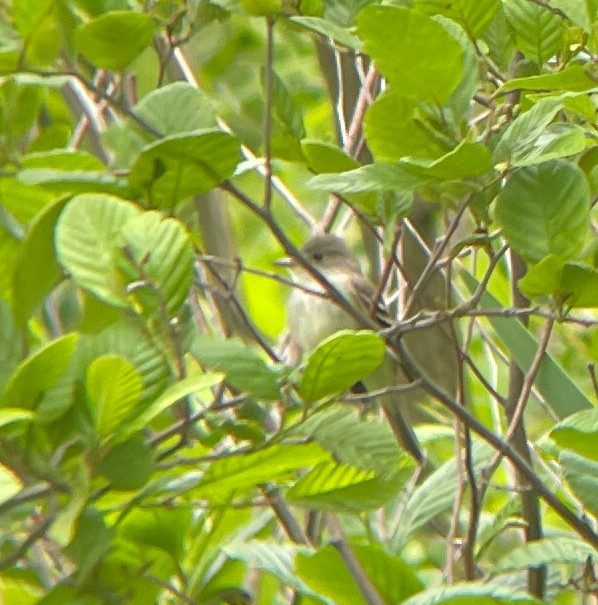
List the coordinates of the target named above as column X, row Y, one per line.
column 364, row 293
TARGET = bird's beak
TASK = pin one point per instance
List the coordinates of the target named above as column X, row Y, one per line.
column 286, row 262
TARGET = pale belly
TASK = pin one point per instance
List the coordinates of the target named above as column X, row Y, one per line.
column 311, row 319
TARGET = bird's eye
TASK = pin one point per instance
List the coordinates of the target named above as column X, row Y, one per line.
column 318, row 256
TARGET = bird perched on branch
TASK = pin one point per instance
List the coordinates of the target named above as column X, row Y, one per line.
column 313, row 317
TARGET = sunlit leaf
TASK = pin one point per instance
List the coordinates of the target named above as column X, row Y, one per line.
column 326, row 573
column 115, row 39
column 39, row 372
column 472, row 15
column 236, row 474
column 37, row 271
column 545, row 210
column 575, row 77
column 175, row 108
column 581, row 475
column 87, row 233
column 113, row 388
column 181, row 165
column 538, row 31
column 244, row 367
column 339, row 362
column 339, row 487
column 579, row 433
column 471, row 593
column 176, row 392
column 542, row 552
column 402, row 42
column 375, row 177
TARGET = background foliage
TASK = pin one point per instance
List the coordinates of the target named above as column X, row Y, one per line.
column 156, row 446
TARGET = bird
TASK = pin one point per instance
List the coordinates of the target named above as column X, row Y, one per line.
column 312, row 316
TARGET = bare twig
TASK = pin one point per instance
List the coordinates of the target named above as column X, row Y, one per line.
column 353, row 565
column 37, row 534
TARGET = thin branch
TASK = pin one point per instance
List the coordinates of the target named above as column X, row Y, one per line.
column 353, row 565
column 181, row 62
column 578, row 524
column 530, row 377
column 37, row 534
column 27, row 494
column 435, row 256
column 284, row 515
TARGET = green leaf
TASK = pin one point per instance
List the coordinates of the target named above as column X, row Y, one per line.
column 326, row 573
column 329, row 29
column 245, row 368
column 182, row 165
column 473, row 15
column 10, row 484
column 272, row 557
column 159, row 260
column 558, row 141
column 435, row 495
column 10, row 343
column 236, row 474
column 365, row 444
column 560, row 391
column 573, row 285
column 380, row 176
column 395, row 127
column 581, row 12
column 87, row 233
column 339, row 487
column 176, row 108
column 538, row 31
column 579, row 286
column 285, row 109
column 576, row 77
column 28, row 14
column 62, row 159
column 544, row 552
column 544, row 278
column 37, row 271
column 504, row 519
column 159, row 527
column 326, row 157
column 339, row 362
column 115, row 39
column 124, row 339
column 521, row 136
column 174, row 393
column 93, row 539
column 23, row 201
column 466, row 160
column 39, row 372
column 471, row 593
column 10, row 415
column 128, row 341
column 107, row 244
column 128, row 465
column 413, row 51
column 579, row 433
column 459, row 104
column 582, row 476
column 74, row 181
column 113, row 388
column 545, row 209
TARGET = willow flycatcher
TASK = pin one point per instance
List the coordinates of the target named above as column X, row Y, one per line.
column 312, row 318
